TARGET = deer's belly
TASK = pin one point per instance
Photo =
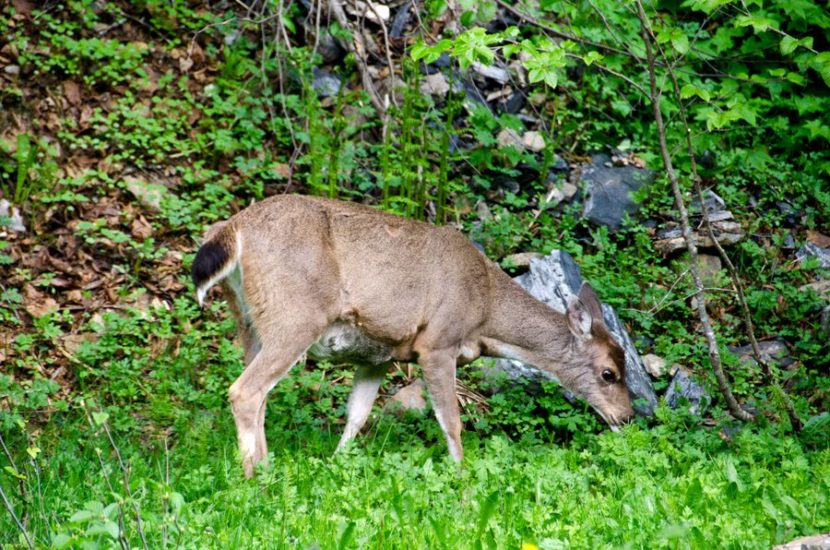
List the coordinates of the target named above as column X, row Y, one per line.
column 345, row 342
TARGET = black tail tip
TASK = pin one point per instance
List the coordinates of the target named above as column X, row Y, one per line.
column 210, row 259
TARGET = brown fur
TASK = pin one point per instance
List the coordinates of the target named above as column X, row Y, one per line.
column 408, row 291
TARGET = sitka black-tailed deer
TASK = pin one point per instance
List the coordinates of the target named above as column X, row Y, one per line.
column 345, row 282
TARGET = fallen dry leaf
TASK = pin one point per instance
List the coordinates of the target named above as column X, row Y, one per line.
column 72, row 92
column 818, row 239
column 38, row 304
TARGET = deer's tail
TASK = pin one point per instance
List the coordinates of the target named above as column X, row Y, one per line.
column 216, row 259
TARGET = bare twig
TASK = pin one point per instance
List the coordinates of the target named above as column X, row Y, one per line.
column 772, row 379
column 714, row 354
column 126, row 481
column 388, row 51
column 17, row 522
column 358, row 46
column 20, row 483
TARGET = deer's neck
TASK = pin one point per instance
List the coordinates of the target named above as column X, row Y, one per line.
column 521, row 327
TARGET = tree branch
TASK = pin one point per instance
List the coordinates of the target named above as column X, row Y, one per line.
column 714, row 354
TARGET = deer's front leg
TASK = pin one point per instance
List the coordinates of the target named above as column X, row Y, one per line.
column 439, row 373
column 249, row 392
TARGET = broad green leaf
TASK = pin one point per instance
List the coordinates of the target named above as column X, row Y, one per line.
column 690, row 90
column 81, row 516
column 757, row 22
column 706, row 6
column 100, row 418
column 61, row 540
column 104, row 528
column 821, row 64
column 680, row 42
column 796, row 78
column 14, row 473
column 591, row 57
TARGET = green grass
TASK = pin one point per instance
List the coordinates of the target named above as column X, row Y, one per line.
column 667, row 486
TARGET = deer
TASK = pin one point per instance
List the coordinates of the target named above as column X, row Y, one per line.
column 328, row 279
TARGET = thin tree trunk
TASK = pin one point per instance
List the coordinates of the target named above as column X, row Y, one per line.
column 714, row 354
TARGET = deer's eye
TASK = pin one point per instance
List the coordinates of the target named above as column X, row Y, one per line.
column 609, row 376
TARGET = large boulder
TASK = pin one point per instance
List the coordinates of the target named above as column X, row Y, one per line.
column 608, row 190
column 555, row 280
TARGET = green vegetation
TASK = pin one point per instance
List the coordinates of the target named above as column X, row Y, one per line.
column 128, row 127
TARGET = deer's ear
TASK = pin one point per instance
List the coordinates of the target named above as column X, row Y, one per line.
column 579, row 319
column 591, row 301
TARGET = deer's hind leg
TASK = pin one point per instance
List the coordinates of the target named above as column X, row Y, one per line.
column 367, row 380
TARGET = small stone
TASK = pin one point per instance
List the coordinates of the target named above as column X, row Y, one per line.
column 708, row 266
column 533, row 141
column 408, row 398
column 683, row 390
column 377, row 13
column 73, row 342
column 521, row 259
column 814, row 542
column 810, row 250
column 12, row 214
column 608, row 191
column 561, row 193
column 12, row 69
column 483, row 211
column 819, row 239
column 822, row 288
column 325, row 83
column 655, row 365
column 435, row 84
column 774, row 352
column 711, row 200
column 492, row 72
column 149, row 195
column 509, row 138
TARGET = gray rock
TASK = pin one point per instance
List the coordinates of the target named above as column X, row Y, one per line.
column 329, row 49
column 400, row 20
column 608, row 190
column 12, row 214
column 493, row 72
column 774, row 352
column 709, row 267
column 825, row 321
column 435, row 84
column 533, row 141
column 509, row 137
column 12, row 69
column 711, row 200
column 685, row 391
column 561, row 193
column 555, row 280
column 325, row 83
column 814, row 542
column 726, row 232
column 821, row 287
column 810, row 250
